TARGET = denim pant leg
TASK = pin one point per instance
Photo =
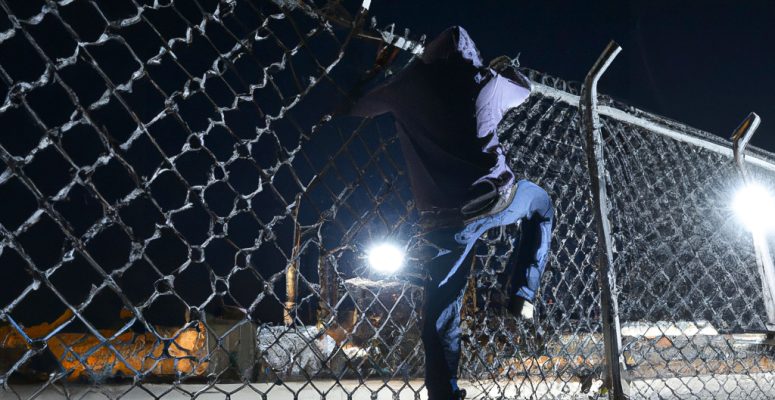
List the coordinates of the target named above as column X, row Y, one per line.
column 441, row 319
column 534, row 242
column 449, row 270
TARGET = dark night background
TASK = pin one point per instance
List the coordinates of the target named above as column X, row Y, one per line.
column 704, row 63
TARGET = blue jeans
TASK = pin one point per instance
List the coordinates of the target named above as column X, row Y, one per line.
column 449, row 269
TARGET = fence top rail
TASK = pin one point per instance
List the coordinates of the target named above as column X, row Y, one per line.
column 662, row 126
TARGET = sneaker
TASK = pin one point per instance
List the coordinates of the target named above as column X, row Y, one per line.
column 482, row 197
column 505, row 195
column 521, row 308
column 494, row 215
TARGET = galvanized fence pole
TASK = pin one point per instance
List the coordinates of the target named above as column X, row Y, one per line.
column 740, row 138
column 606, row 275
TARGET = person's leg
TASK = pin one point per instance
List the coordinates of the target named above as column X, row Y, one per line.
column 532, row 257
column 436, row 373
column 449, row 269
column 448, row 321
column 441, row 318
column 526, row 198
column 534, row 243
column 529, row 202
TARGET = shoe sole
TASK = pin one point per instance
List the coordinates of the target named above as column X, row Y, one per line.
column 475, row 227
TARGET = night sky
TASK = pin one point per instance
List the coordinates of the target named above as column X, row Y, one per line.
column 705, row 63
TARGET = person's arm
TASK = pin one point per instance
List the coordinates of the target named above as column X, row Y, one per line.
column 453, row 43
column 375, row 101
column 371, row 104
column 498, row 96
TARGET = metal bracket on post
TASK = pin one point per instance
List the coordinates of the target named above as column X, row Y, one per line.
column 740, row 138
column 606, row 275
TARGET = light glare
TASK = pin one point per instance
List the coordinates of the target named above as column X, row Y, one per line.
column 755, row 207
column 386, row 258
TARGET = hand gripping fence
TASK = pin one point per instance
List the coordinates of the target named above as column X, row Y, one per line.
column 184, row 215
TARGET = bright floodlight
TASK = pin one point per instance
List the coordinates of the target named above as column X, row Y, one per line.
column 386, row 258
column 755, row 207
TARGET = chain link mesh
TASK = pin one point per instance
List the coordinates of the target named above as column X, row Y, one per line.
column 686, row 269
column 180, row 218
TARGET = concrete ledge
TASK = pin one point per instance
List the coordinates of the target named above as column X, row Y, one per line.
column 668, row 328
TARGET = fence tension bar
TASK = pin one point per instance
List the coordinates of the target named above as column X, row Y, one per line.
column 590, row 121
column 740, row 138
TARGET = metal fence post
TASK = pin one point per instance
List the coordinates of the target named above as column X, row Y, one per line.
column 606, row 275
column 740, row 138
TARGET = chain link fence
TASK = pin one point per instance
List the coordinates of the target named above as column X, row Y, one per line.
column 689, row 284
column 182, row 219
